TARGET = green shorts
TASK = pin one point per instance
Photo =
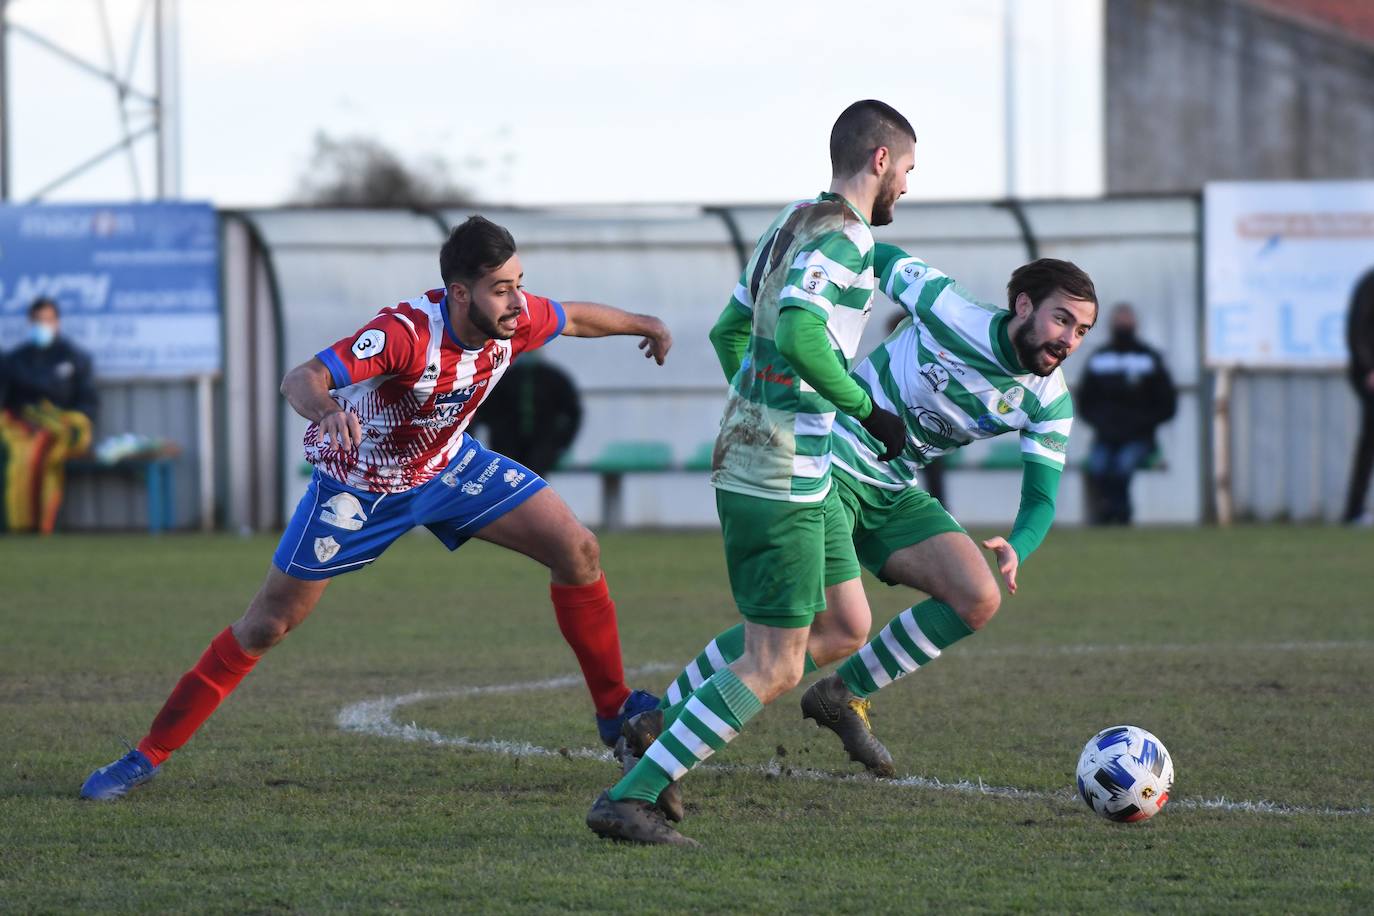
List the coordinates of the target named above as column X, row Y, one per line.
column 882, row 522
column 778, row 554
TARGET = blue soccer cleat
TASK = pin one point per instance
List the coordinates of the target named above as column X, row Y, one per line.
column 637, row 702
column 114, row 781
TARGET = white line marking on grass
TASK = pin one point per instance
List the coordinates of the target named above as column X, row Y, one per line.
column 1167, row 648
column 376, row 717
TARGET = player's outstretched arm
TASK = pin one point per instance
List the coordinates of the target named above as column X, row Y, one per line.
column 306, row 389
column 592, row 319
column 1039, row 487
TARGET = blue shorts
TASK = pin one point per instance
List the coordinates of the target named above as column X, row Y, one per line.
column 337, row 529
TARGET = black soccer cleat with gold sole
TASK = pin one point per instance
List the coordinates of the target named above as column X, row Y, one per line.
column 831, row 705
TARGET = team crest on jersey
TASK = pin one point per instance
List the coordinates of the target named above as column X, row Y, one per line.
column 498, row 356
column 936, row 376
column 1010, row 400
column 343, row 511
column 816, row 277
column 369, row 343
column 325, row 548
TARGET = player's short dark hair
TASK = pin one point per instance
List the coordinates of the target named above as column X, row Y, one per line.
column 475, row 246
column 43, row 302
column 1041, row 278
column 860, row 129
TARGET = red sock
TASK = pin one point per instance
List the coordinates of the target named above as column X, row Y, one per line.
column 196, row 695
column 586, row 615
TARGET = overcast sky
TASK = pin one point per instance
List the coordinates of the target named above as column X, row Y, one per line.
column 541, row 102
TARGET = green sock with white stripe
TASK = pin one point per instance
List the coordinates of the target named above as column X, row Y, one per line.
column 913, row 638
column 719, row 652
column 701, row 725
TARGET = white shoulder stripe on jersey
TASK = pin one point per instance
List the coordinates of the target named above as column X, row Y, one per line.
column 838, row 274
column 1063, row 426
column 860, row 235
column 742, row 295
column 796, row 292
column 408, row 323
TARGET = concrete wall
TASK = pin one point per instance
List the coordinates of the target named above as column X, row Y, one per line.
column 1200, row 90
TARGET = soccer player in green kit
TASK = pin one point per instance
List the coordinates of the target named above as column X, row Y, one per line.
column 957, row 370
column 807, row 294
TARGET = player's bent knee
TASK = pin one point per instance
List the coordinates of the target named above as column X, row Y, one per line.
column 581, row 560
column 979, row 606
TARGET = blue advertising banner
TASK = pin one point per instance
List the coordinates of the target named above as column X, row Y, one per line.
column 1283, row 259
column 137, row 284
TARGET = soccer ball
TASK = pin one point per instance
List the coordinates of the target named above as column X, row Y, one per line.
column 1124, row 774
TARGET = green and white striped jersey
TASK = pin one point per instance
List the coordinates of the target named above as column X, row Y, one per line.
column 774, row 439
column 949, row 370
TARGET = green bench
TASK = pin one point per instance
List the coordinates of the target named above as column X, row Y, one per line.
column 616, row 459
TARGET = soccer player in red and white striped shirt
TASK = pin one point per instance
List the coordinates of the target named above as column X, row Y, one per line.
column 389, row 408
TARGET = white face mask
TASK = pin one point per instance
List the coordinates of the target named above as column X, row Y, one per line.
column 42, row 334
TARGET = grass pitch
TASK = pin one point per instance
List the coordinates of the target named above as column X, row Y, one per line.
column 1249, row 652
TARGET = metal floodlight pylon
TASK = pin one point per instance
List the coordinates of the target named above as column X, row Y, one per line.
column 142, row 113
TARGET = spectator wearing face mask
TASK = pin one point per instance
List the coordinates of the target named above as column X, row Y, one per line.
column 49, row 403
column 1125, row 394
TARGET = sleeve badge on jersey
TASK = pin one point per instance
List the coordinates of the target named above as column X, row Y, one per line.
column 913, row 272
column 369, row 343
column 815, row 278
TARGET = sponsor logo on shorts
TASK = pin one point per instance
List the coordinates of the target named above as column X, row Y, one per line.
column 450, row 477
column 489, row 471
column 471, row 488
column 513, row 477
column 344, row 511
column 325, row 548
column 369, row 343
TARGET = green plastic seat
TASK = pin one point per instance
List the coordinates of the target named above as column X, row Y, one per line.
column 630, row 455
column 700, row 459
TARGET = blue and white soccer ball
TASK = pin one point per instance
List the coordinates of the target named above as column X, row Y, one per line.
column 1125, row 774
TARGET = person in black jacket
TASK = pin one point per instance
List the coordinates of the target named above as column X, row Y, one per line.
column 1125, row 394
column 1360, row 335
column 48, row 406
column 49, row 367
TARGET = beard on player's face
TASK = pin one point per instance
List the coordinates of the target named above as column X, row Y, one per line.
column 885, row 203
column 1040, row 354
column 495, row 318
